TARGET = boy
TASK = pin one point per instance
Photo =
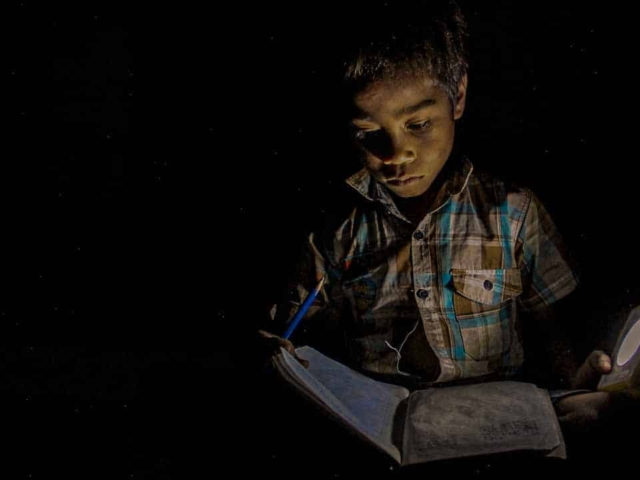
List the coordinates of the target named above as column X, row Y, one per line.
column 437, row 274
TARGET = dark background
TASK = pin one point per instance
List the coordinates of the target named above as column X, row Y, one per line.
column 162, row 164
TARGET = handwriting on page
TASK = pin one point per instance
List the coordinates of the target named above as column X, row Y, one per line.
column 516, row 428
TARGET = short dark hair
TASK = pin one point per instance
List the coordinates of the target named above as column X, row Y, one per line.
column 411, row 38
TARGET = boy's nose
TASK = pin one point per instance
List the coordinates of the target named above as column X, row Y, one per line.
column 400, row 151
column 399, row 157
column 390, row 148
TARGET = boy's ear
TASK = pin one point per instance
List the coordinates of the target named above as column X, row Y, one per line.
column 461, row 98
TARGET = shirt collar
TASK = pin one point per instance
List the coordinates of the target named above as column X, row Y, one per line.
column 368, row 187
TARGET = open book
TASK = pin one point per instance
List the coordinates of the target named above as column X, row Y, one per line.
column 432, row 424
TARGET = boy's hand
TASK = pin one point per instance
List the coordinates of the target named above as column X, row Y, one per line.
column 272, row 344
column 588, row 375
column 580, row 410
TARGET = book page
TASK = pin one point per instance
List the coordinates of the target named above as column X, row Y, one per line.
column 365, row 406
column 479, row 419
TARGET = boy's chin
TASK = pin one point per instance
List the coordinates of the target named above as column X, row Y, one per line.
column 407, row 196
column 410, row 191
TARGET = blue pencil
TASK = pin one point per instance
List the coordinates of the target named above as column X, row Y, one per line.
column 303, row 309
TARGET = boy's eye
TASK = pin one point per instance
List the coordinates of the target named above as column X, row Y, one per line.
column 419, row 126
column 361, row 133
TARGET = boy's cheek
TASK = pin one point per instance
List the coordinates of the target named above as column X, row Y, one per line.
column 374, row 166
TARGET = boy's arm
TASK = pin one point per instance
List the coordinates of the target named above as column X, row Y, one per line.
column 548, row 300
column 550, row 344
column 553, row 363
column 318, row 327
column 552, row 313
column 550, row 356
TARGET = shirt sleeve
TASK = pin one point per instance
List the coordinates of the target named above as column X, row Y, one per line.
column 307, row 272
column 548, row 271
column 321, row 326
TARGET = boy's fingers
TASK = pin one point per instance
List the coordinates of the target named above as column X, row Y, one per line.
column 580, row 412
column 600, row 361
column 289, row 347
column 588, row 375
column 305, row 363
column 578, row 421
column 265, row 334
column 277, row 342
column 584, row 402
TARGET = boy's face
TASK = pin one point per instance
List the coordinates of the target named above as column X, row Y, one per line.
column 405, row 130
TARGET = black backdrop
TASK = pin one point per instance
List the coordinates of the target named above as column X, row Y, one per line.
column 162, row 163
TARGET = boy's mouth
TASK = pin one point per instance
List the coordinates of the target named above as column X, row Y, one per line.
column 402, row 181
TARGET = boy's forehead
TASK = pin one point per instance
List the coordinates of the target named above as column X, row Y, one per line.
column 398, row 96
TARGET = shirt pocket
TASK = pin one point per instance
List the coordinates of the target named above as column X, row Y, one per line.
column 484, row 303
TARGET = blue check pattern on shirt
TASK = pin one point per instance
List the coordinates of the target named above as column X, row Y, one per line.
column 442, row 296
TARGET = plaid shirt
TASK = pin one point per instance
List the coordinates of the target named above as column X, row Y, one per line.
column 441, row 300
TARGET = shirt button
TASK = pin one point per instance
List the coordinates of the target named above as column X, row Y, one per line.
column 488, row 285
column 418, row 235
column 422, row 293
